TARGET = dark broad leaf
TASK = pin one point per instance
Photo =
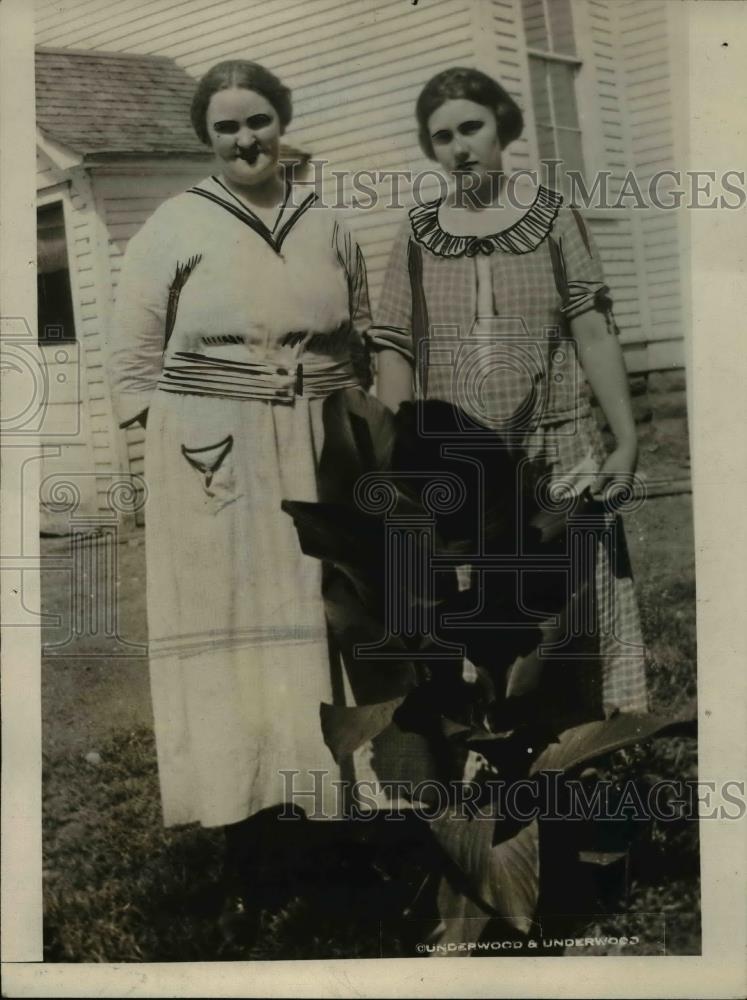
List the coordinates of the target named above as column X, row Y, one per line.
column 355, row 542
column 469, row 618
column 347, row 538
column 512, row 752
column 488, row 478
column 373, row 681
column 337, row 533
column 358, row 438
column 504, row 876
column 508, row 483
column 524, row 675
column 508, row 652
column 587, row 742
column 456, row 731
column 352, row 620
column 444, row 690
column 484, row 687
column 347, row 729
column 462, row 919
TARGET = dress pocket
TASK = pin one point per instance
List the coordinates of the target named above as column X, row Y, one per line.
column 213, row 464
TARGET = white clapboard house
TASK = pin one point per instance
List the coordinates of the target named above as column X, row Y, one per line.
column 597, row 81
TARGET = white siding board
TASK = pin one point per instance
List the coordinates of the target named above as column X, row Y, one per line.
column 264, row 23
column 138, row 35
column 643, row 32
column 645, row 60
column 309, row 98
column 444, row 39
column 317, row 32
column 653, row 122
column 102, row 21
column 600, row 86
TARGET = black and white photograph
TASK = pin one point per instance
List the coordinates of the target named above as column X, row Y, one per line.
column 357, row 413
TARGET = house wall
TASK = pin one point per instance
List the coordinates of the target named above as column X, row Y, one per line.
column 67, row 439
column 602, row 107
column 355, row 69
column 648, row 65
column 82, row 442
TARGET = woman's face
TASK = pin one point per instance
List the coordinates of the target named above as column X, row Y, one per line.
column 465, row 139
column 244, row 131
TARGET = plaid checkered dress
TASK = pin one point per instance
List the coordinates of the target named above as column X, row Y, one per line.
column 516, row 370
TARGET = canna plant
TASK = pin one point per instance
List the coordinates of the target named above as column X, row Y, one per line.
column 443, row 658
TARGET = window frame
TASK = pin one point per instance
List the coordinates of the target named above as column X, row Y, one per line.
column 59, row 195
column 578, row 64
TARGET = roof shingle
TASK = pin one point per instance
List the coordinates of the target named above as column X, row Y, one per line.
column 109, row 102
column 107, row 105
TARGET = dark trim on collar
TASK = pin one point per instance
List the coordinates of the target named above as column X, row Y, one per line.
column 273, row 237
column 244, row 207
column 522, row 237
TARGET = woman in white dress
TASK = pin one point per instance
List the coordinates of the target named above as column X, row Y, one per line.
column 238, row 307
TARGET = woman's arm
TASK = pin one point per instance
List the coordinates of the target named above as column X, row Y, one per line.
column 587, row 306
column 352, row 261
column 394, row 379
column 391, row 333
column 601, row 358
column 136, row 335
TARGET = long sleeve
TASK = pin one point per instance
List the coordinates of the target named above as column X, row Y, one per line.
column 353, row 263
column 136, row 335
column 392, row 327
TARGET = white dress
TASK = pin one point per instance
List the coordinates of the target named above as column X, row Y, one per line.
column 239, row 659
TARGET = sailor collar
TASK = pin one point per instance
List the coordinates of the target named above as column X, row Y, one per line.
column 215, row 191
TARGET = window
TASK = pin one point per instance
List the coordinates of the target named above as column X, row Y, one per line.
column 54, row 298
column 553, row 65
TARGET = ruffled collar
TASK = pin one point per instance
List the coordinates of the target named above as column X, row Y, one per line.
column 522, row 237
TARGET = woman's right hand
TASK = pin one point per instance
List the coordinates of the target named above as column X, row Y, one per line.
column 618, row 468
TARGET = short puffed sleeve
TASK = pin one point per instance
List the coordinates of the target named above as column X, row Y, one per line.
column 579, row 275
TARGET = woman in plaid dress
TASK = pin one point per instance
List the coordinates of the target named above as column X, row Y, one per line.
column 494, row 299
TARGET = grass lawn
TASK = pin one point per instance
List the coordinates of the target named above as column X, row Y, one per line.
column 119, row 888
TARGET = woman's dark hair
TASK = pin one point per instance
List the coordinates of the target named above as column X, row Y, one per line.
column 247, row 76
column 461, row 83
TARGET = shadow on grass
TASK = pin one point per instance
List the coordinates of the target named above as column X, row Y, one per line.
column 118, row 887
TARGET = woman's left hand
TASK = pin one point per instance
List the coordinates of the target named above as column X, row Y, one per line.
column 618, row 469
